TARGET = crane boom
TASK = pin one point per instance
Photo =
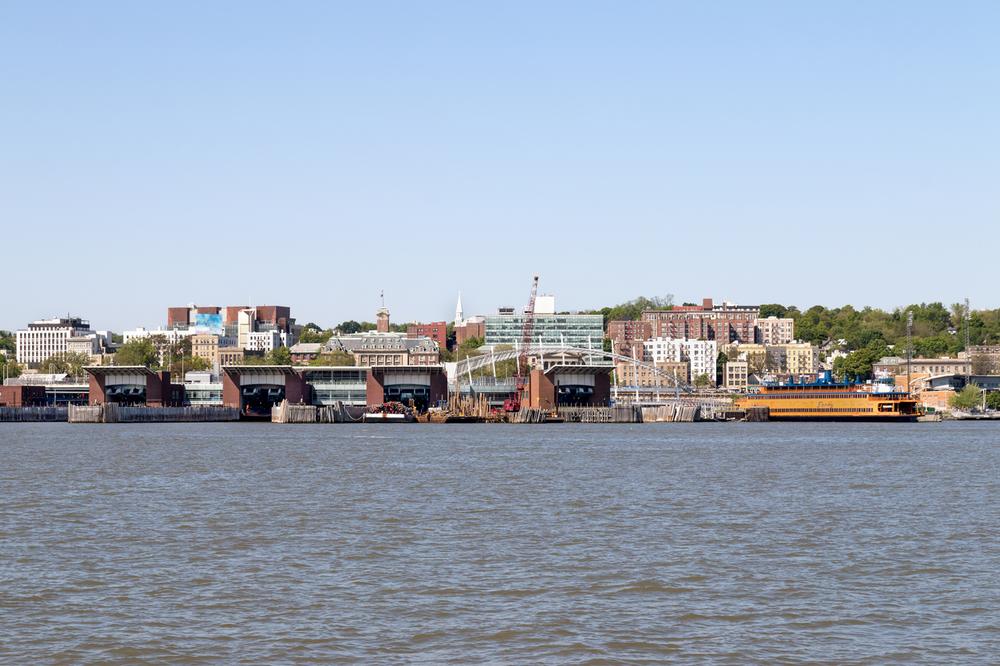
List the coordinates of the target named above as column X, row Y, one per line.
column 527, row 333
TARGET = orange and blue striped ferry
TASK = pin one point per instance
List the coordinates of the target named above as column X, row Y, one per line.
column 827, row 400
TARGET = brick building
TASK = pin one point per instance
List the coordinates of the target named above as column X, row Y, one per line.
column 627, row 337
column 436, row 331
column 473, row 327
column 723, row 323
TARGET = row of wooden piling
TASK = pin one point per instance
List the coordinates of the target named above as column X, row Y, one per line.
column 112, row 413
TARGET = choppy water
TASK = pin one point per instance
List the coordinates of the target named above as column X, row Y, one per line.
column 721, row 543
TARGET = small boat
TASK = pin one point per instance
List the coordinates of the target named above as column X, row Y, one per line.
column 386, row 417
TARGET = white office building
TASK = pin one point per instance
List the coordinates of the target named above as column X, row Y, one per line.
column 48, row 337
column 263, row 341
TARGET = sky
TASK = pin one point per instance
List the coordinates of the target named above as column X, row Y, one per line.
column 314, row 154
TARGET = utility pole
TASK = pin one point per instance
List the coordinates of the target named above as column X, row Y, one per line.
column 909, row 347
column 968, row 357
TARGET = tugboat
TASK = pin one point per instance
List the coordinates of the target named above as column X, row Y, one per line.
column 827, row 400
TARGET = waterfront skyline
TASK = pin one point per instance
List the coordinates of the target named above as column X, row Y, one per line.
column 430, row 149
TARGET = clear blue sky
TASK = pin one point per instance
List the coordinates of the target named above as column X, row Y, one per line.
column 311, row 154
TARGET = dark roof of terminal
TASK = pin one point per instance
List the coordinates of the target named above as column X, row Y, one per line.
column 580, row 369
column 258, row 369
column 103, row 370
column 407, row 368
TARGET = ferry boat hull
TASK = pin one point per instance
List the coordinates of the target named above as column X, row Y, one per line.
column 826, row 400
column 846, row 419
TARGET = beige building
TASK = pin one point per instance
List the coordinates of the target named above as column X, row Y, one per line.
column 736, row 375
column 88, row 345
column 797, row 358
column 231, row 355
column 377, row 349
column 894, row 365
column 801, row 358
column 775, row 330
column 633, row 374
column 754, row 354
column 205, row 346
column 984, row 359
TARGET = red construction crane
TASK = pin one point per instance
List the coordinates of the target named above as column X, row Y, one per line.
column 513, row 404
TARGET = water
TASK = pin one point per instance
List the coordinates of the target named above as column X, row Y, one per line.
column 725, row 543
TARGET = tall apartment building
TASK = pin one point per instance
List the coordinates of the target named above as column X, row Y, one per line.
column 775, row 330
column 723, row 323
column 48, row 337
column 627, row 337
column 700, row 355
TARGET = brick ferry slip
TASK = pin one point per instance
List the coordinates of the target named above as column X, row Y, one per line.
column 826, row 400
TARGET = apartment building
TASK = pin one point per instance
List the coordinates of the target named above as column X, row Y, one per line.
column 723, row 323
column 775, row 330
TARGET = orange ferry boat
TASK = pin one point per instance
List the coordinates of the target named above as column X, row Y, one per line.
column 826, row 400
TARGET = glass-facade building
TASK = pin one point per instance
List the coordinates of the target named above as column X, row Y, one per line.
column 585, row 331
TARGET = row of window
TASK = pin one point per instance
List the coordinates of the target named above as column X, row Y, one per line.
column 805, row 396
column 822, row 410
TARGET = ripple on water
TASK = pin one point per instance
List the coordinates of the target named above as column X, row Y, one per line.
column 716, row 543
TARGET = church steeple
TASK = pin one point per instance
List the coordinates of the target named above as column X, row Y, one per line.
column 459, row 315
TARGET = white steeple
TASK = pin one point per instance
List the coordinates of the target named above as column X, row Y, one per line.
column 459, row 315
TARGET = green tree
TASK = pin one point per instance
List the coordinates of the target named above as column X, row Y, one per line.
column 858, row 364
column 179, row 365
column 632, row 310
column 720, row 368
column 349, row 327
column 968, row 398
column 9, row 367
column 702, row 380
column 70, row 364
column 279, row 356
column 315, row 334
column 335, row 358
column 138, row 352
column 8, row 342
column 772, row 310
column 993, row 400
column 468, row 348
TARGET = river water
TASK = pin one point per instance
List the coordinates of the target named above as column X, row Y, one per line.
column 722, row 543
